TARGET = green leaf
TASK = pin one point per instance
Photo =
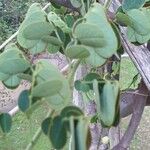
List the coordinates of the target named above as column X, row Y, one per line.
column 90, row 35
column 79, row 86
column 135, row 37
column 71, row 111
column 35, row 14
column 140, row 22
column 58, row 22
column 34, row 8
column 12, row 61
column 47, row 88
column 77, row 52
column 98, row 35
column 95, row 58
column 14, row 65
column 53, row 48
column 4, row 76
column 5, row 122
column 76, row 3
column 23, row 101
column 52, row 40
column 12, row 82
column 35, row 104
column 109, row 103
column 132, row 4
column 58, row 133
column 39, row 47
column 69, row 20
column 55, row 5
column 37, row 30
column 123, row 19
column 46, row 125
column 94, row 119
column 25, row 76
column 45, row 72
column 91, row 77
column 97, row 16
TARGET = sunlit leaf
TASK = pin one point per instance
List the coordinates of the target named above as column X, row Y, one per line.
column 132, row 4
column 47, row 88
column 12, row 82
column 58, row 22
column 77, row 52
column 90, row 35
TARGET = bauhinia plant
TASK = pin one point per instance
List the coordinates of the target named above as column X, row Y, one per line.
column 85, row 33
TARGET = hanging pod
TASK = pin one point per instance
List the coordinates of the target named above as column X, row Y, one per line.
column 109, row 104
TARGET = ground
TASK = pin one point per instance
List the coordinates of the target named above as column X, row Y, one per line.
column 23, row 129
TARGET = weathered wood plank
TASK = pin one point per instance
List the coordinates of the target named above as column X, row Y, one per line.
column 140, row 55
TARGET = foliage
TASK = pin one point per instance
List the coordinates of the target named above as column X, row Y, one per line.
column 89, row 37
column 12, row 14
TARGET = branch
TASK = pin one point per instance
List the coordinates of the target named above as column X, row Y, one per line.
column 135, row 120
column 127, row 101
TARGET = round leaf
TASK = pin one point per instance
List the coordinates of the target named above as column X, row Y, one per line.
column 58, row 133
column 37, row 30
column 77, row 52
column 23, row 101
column 132, row 4
column 5, row 122
column 47, row 88
column 90, row 35
column 52, row 40
column 12, row 82
column 79, row 86
column 47, row 71
column 14, row 65
column 97, row 16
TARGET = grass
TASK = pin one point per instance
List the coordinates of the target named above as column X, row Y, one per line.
column 24, row 129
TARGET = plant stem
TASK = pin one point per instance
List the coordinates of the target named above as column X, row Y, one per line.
column 73, row 70
column 37, row 134
column 97, row 97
